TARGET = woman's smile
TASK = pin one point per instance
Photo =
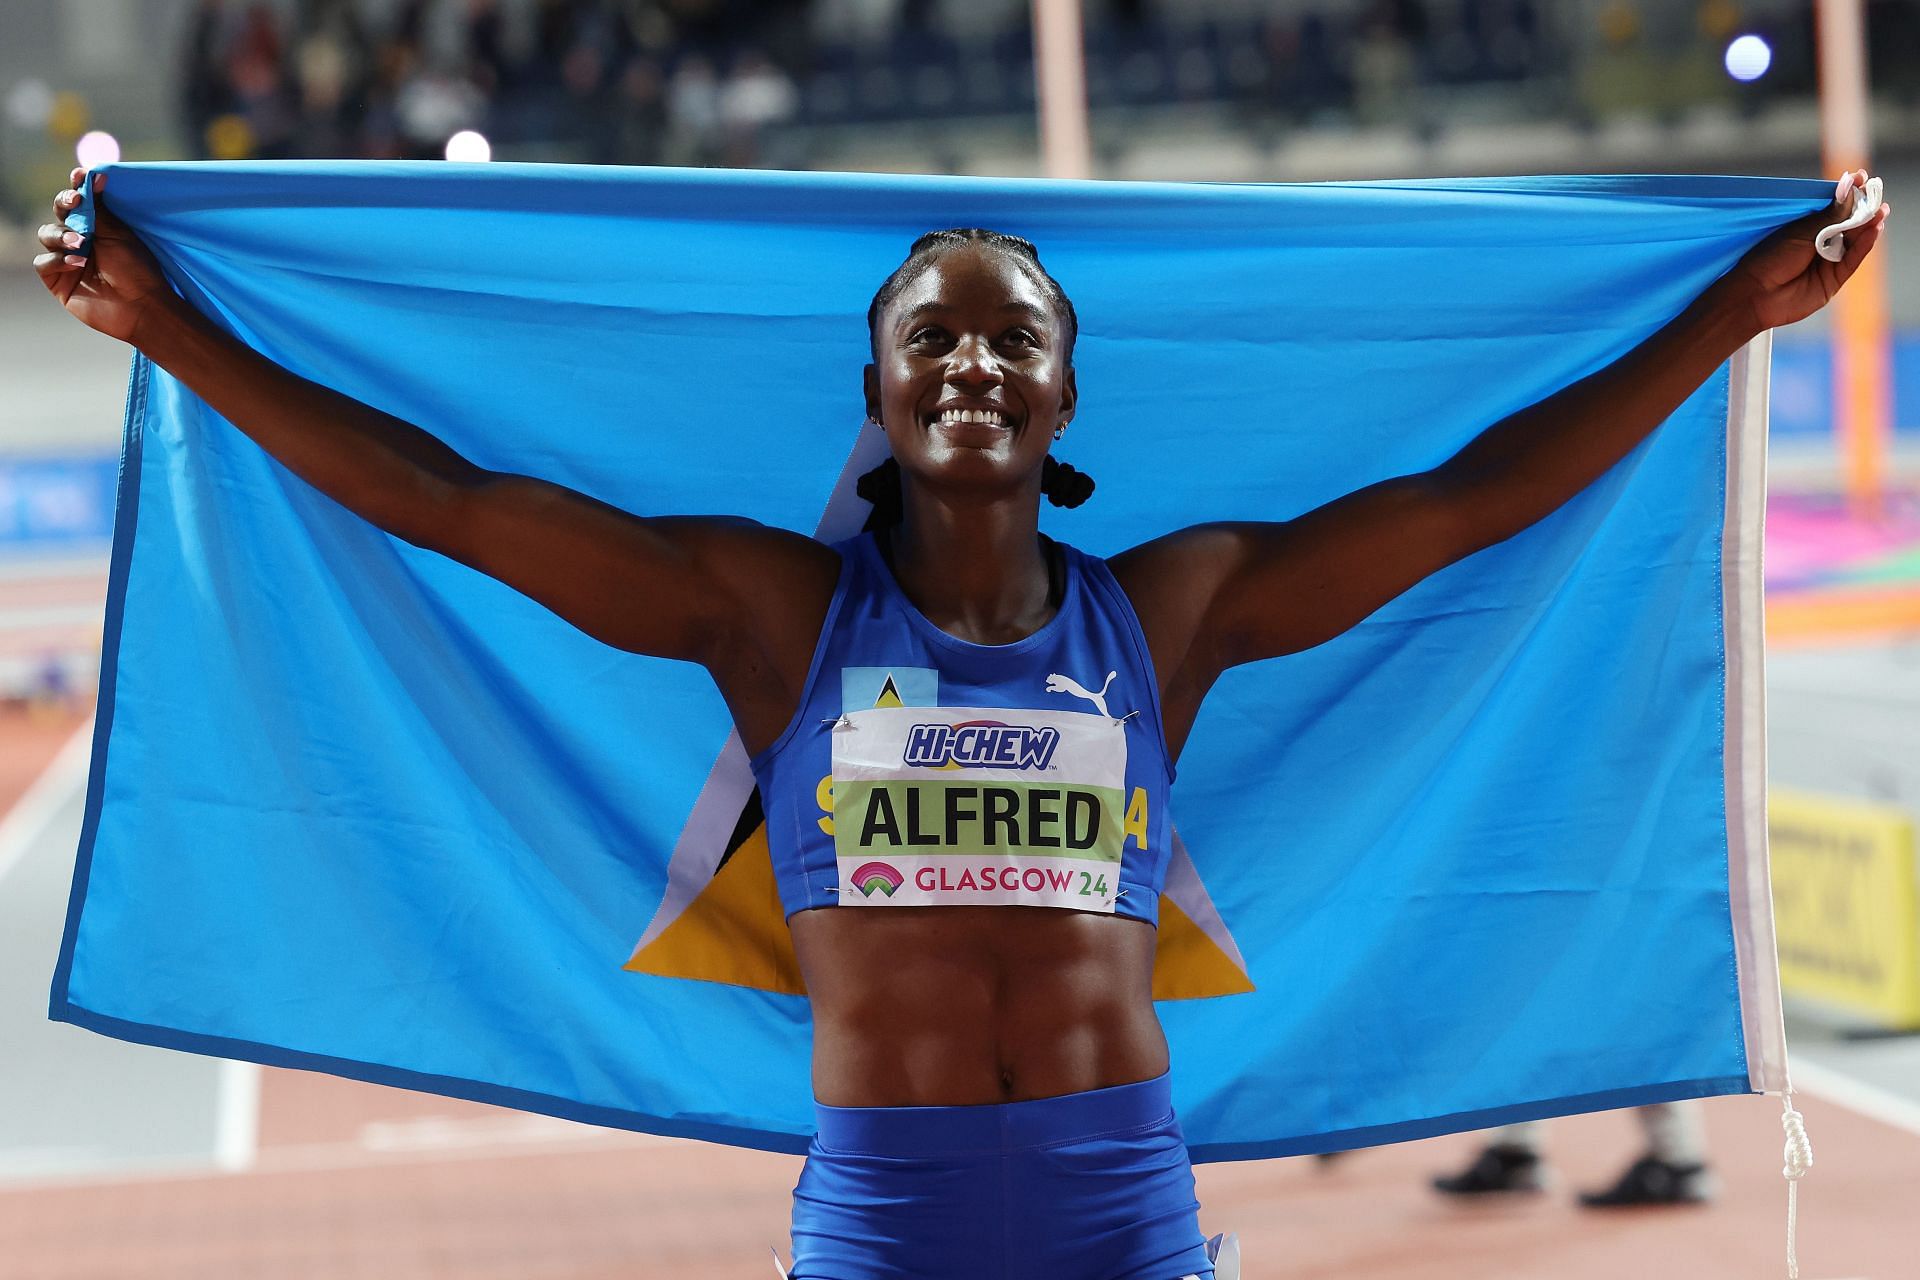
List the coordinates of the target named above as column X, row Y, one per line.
column 973, row 427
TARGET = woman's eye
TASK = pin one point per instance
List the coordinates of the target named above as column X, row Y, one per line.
column 928, row 334
column 1023, row 337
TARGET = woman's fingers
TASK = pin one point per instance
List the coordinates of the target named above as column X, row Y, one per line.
column 67, row 201
column 54, row 236
column 56, row 270
column 57, row 235
column 65, row 245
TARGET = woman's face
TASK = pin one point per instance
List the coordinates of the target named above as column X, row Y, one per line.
column 971, row 374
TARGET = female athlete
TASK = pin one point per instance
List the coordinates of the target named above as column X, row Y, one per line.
column 994, row 709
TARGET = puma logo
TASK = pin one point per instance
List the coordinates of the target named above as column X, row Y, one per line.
column 1067, row 684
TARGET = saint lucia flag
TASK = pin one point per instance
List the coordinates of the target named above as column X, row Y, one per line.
column 1496, row 853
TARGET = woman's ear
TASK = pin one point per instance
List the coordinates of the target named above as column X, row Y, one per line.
column 1069, row 396
column 870, row 380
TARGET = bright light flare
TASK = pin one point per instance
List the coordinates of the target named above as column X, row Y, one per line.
column 1748, row 58
column 469, row 147
column 96, row 148
column 30, row 104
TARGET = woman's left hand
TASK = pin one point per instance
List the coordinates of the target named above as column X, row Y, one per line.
column 1782, row 279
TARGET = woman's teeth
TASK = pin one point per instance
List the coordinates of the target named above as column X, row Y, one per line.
column 988, row 417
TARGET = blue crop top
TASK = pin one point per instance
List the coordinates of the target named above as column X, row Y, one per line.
column 921, row 769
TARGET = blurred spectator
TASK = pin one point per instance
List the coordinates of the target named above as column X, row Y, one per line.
column 1893, row 47
column 1383, row 61
column 639, row 113
column 724, row 81
column 756, row 94
column 693, row 108
column 1621, row 77
column 1672, row 1170
column 204, row 95
column 433, row 104
column 332, row 67
column 257, row 77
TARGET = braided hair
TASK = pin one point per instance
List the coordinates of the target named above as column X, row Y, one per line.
column 1063, row 485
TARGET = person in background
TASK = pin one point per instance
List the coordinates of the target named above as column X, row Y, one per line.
column 1672, row 1170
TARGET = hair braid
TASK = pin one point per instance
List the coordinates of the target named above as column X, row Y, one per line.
column 1063, row 484
column 934, row 243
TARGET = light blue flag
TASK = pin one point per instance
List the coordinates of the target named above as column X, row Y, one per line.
column 1497, row 853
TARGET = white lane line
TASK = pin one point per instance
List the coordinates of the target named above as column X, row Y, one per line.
column 441, row 1133
column 325, row 1157
column 1869, row 1100
column 26, row 823
column 84, row 565
column 83, row 614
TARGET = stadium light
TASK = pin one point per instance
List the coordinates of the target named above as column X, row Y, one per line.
column 1748, row 58
column 96, row 148
column 469, row 147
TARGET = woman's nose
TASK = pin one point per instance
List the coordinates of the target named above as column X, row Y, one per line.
column 973, row 363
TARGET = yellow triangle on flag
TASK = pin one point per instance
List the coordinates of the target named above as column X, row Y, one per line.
column 889, row 696
column 1187, row 964
column 734, row 932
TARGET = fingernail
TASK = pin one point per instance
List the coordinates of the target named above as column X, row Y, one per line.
column 71, row 239
column 75, row 260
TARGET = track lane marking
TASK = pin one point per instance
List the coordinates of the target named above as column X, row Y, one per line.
column 1830, row 1084
column 27, row 823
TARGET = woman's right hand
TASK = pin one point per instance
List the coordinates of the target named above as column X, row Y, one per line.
column 113, row 287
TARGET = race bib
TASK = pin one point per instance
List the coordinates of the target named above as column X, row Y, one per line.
column 978, row 806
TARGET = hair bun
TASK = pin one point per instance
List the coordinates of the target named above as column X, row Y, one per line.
column 1064, row 485
column 881, row 487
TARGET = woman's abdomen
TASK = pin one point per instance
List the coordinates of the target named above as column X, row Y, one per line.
column 959, row 1006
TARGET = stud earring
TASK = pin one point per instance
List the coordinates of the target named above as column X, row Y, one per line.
column 1059, row 431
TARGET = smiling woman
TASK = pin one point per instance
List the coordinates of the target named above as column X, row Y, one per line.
column 995, row 715
column 1030, row 319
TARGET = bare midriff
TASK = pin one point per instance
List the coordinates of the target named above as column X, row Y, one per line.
column 961, row 1006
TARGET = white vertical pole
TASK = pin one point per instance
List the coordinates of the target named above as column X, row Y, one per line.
column 1842, row 41
column 1862, row 374
column 236, row 1134
column 1060, row 84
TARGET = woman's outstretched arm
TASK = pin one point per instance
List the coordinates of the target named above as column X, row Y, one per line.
column 688, row 588
column 1256, row 590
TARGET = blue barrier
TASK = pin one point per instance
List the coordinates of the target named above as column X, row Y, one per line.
column 1803, row 388
column 58, row 504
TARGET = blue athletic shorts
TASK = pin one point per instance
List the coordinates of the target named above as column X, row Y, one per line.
column 1087, row 1186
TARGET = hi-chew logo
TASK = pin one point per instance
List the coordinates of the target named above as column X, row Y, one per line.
column 980, row 744
column 877, row 877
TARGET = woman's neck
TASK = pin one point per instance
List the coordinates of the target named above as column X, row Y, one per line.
column 977, row 573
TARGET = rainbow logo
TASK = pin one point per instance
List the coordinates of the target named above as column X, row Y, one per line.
column 876, row 877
